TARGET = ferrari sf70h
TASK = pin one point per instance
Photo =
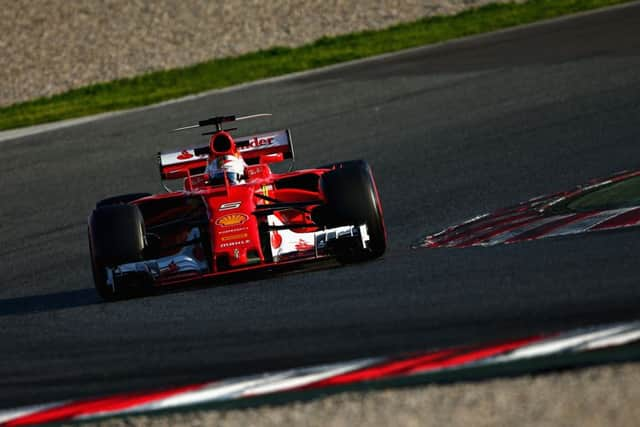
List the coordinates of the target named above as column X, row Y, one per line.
column 231, row 223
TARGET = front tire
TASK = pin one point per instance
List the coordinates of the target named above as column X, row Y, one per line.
column 352, row 198
column 116, row 236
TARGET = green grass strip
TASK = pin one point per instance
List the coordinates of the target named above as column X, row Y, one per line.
column 162, row 85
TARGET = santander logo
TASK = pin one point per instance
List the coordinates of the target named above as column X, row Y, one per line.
column 259, row 142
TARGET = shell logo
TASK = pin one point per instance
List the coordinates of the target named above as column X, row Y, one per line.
column 232, row 219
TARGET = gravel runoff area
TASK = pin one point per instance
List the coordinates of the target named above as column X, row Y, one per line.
column 599, row 396
column 51, row 46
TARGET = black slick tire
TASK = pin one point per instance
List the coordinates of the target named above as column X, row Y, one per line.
column 352, row 198
column 116, row 236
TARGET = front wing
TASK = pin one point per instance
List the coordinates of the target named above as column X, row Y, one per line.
column 287, row 247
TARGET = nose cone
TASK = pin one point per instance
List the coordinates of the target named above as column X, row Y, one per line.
column 234, row 229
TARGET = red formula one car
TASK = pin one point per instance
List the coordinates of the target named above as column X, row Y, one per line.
column 228, row 223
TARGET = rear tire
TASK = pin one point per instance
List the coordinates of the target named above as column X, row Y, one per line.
column 352, row 198
column 116, row 236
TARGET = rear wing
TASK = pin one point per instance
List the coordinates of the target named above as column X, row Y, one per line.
column 267, row 147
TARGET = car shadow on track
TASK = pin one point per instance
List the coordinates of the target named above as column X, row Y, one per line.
column 48, row 302
column 88, row 296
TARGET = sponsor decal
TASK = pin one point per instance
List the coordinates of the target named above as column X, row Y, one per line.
column 230, row 220
column 236, row 243
column 259, row 142
column 179, row 157
column 229, row 206
column 234, row 237
column 276, row 240
column 256, row 170
column 233, row 230
column 303, row 245
column 185, row 155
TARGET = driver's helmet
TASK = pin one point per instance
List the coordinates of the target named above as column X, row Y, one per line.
column 231, row 165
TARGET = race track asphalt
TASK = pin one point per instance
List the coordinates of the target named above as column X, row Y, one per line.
column 451, row 132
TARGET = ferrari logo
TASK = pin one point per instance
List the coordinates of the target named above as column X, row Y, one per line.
column 230, row 205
